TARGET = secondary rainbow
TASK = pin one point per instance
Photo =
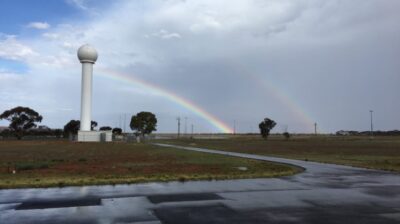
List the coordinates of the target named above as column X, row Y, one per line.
column 271, row 89
column 185, row 103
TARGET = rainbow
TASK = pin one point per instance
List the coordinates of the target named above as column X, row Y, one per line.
column 289, row 102
column 185, row 103
column 281, row 96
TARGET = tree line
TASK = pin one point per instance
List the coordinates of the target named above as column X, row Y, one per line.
column 24, row 120
column 364, row 133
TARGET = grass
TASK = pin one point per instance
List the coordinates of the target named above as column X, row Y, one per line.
column 378, row 153
column 59, row 163
column 20, row 166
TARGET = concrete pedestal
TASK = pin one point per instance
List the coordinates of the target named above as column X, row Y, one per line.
column 94, row 136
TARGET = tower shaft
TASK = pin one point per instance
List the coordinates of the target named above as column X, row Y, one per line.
column 86, row 97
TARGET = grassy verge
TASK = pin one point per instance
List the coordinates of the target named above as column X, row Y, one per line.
column 47, row 164
column 379, row 153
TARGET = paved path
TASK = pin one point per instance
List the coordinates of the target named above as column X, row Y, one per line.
column 323, row 193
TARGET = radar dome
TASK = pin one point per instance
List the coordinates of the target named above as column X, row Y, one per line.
column 87, row 53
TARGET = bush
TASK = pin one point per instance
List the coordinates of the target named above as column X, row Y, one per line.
column 106, row 128
column 286, row 135
column 117, row 131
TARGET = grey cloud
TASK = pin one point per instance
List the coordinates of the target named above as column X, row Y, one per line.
column 330, row 61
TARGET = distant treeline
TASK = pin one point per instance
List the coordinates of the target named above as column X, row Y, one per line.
column 375, row 133
column 46, row 132
column 56, row 133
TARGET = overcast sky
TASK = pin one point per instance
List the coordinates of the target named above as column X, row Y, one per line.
column 297, row 62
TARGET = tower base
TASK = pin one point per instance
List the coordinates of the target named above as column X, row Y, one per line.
column 94, row 136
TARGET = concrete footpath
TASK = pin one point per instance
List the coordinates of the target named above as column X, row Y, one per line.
column 323, row 193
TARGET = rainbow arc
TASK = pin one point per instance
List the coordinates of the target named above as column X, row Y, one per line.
column 181, row 101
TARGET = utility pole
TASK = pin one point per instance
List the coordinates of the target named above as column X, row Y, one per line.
column 234, row 127
column 192, row 130
column 185, row 126
column 372, row 125
column 179, row 126
column 315, row 128
column 120, row 121
column 124, row 123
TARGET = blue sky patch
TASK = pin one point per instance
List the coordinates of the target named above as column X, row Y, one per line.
column 13, row 66
column 16, row 14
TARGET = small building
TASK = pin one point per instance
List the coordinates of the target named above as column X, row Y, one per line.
column 95, row 136
column 342, row 133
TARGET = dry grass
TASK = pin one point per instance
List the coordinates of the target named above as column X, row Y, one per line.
column 378, row 153
column 61, row 163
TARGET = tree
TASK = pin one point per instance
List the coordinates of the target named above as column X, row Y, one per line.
column 21, row 119
column 73, row 126
column 105, row 128
column 144, row 123
column 117, row 131
column 286, row 135
column 57, row 133
column 93, row 124
column 266, row 126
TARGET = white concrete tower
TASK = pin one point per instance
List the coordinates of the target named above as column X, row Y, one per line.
column 87, row 56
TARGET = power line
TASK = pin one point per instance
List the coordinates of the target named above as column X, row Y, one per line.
column 185, row 125
column 179, row 126
column 315, row 128
column 124, row 123
column 234, row 127
column 372, row 125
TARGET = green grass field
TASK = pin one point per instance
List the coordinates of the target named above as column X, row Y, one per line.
column 377, row 153
column 62, row 163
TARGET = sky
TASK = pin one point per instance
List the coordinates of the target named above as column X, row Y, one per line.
column 213, row 62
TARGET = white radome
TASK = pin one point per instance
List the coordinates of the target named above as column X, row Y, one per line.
column 87, row 53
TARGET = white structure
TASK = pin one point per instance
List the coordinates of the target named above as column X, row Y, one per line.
column 87, row 55
column 94, row 136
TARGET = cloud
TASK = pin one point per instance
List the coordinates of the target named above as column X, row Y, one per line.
column 9, row 84
column 164, row 34
column 7, row 76
column 80, row 4
column 11, row 48
column 39, row 25
column 89, row 7
column 51, row 36
column 46, row 54
column 239, row 60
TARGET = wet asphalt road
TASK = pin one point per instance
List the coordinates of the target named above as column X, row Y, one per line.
column 323, row 193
